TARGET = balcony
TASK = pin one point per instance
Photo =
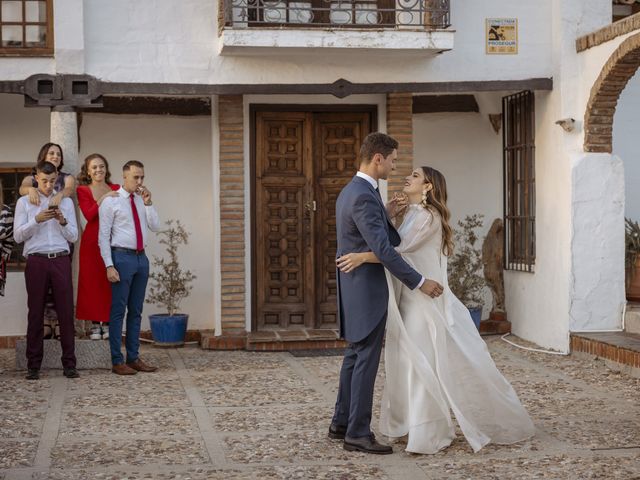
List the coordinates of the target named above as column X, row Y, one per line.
column 271, row 26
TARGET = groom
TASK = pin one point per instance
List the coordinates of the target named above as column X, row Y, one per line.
column 363, row 225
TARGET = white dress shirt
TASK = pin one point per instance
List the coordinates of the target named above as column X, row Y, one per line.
column 116, row 223
column 371, row 180
column 374, row 184
column 45, row 237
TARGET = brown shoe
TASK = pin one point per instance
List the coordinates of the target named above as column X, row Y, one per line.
column 140, row 366
column 122, row 369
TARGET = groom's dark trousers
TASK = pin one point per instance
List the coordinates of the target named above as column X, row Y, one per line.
column 355, row 393
column 362, row 225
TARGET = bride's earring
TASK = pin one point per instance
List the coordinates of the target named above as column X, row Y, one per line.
column 424, row 197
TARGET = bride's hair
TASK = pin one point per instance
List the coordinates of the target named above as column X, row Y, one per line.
column 436, row 198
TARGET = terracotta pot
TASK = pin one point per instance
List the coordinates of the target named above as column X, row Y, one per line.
column 633, row 285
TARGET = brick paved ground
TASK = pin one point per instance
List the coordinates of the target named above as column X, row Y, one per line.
column 241, row 415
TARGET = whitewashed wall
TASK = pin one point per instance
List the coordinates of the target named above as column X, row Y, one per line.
column 467, row 151
column 176, row 152
column 626, row 144
column 176, row 42
column 22, row 132
column 540, row 305
column 597, row 208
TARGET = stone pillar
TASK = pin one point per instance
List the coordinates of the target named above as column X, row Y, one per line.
column 64, row 131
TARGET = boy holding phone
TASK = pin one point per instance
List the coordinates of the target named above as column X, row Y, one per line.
column 46, row 232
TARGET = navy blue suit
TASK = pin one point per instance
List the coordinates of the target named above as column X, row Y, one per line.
column 362, row 225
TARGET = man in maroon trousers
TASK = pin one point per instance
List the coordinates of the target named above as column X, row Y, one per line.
column 46, row 231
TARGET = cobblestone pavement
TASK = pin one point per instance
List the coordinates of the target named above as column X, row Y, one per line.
column 241, row 415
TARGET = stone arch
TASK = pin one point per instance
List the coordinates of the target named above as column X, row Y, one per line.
column 598, row 118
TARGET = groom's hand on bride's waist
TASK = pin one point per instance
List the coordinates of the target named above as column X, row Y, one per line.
column 431, row 288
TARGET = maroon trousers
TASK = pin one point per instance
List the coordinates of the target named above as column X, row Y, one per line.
column 39, row 274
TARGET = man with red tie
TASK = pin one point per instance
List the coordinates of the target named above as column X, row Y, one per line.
column 124, row 222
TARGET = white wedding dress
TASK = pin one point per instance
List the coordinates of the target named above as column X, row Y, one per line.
column 437, row 363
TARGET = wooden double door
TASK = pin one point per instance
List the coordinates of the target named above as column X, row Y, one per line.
column 302, row 159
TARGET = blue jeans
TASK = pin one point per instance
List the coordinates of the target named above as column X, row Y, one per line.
column 127, row 294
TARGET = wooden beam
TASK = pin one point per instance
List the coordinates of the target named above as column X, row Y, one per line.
column 146, row 105
column 340, row 88
column 444, row 103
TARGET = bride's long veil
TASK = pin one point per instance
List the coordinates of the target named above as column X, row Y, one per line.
column 437, row 364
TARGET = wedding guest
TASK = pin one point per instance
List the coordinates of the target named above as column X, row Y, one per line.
column 124, row 222
column 64, row 187
column 6, row 238
column 94, row 290
column 47, row 230
column 65, row 183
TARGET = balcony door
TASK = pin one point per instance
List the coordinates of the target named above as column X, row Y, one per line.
column 302, row 159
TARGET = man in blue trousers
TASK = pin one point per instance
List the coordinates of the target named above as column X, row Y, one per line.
column 363, row 225
column 124, row 222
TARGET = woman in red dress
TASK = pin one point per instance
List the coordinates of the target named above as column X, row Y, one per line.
column 94, row 290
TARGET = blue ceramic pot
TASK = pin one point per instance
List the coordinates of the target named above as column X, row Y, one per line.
column 476, row 315
column 168, row 330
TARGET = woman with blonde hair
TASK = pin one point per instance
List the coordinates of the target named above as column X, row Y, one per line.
column 94, row 290
column 435, row 360
column 6, row 238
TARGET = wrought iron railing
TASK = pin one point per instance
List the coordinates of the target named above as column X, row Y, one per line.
column 406, row 14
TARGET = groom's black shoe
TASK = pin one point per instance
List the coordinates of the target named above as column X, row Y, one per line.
column 366, row 445
column 337, row 432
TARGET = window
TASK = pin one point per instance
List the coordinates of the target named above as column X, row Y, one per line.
column 518, row 117
column 11, row 179
column 26, row 27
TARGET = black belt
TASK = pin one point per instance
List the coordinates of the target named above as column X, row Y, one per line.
column 50, row 255
column 128, row 250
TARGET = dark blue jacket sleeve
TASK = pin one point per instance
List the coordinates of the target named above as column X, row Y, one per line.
column 370, row 220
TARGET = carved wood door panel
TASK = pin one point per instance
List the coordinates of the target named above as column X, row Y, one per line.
column 337, row 139
column 302, row 161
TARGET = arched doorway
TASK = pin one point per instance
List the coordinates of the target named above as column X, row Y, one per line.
column 598, row 118
column 600, row 112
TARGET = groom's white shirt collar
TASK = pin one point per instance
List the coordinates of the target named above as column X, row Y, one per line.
column 369, row 179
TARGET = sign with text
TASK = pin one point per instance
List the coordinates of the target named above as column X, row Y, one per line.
column 502, row 35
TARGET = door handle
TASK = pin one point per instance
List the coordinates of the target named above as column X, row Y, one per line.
column 310, row 206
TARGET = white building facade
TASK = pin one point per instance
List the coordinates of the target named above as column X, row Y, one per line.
column 248, row 116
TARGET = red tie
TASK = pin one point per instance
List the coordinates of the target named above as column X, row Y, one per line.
column 136, row 222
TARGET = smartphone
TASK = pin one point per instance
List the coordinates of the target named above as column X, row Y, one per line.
column 53, row 207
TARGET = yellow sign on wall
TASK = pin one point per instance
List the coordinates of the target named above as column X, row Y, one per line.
column 502, row 35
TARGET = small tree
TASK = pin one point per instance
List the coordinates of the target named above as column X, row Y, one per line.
column 465, row 265
column 169, row 283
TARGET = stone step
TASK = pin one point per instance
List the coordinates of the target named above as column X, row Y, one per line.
column 274, row 340
column 632, row 318
column 89, row 354
column 620, row 350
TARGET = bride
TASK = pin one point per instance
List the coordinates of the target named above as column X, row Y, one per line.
column 435, row 360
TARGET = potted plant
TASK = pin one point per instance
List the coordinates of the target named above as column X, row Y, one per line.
column 632, row 260
column 169, row 285
column 465, row 266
